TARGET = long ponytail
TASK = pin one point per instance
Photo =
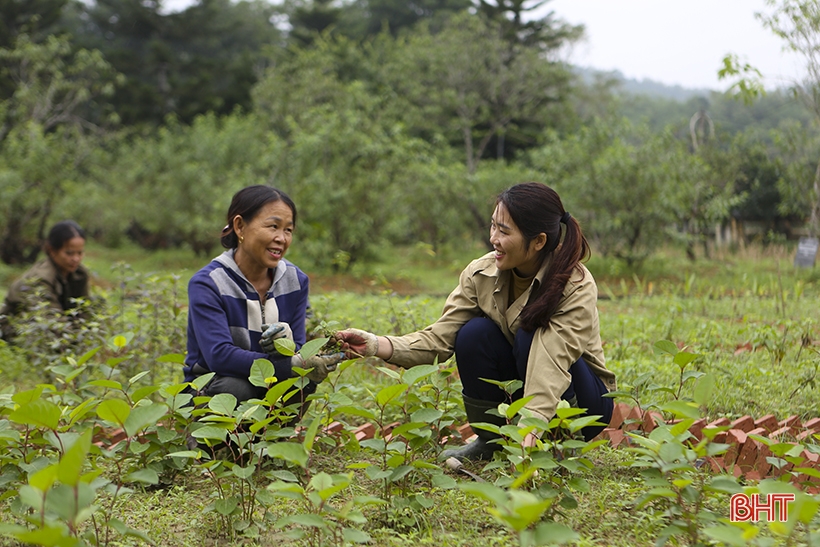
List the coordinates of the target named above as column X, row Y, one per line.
column 536, row 208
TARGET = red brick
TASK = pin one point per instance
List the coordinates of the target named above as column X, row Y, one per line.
column 767, row 422
column 696, row 428
column 335, row 427
column 744, row 423
column 386, row 430
column 779, row 434
column 616, row 437
column 748, row 454
column 736, row 438
column 813, row 424
column 720, row 422
column 753, row 475
column 806, row 434
column 365, row 431
column 762, row 465
column 633, row 420
column 465, row 431
column 619, row 414
column 791, row 421
column 469, row 439
column 717, row 464
column 650, row 420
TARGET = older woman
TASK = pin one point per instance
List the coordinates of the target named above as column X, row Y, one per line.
column 249, row 296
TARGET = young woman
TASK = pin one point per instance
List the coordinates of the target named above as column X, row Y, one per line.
column 58, row 280
column 249, row 296
column 527, row 311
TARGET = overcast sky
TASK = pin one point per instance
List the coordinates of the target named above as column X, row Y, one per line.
column 676, row 41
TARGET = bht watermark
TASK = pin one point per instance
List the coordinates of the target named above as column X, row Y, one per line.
column 769, row 508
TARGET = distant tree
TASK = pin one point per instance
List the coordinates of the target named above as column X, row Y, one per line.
column 797, row 22
column 44, row 139
column 34, row 18
column 397, row 15
column 467, row 82
column 310, row 18
column 546, row 33
column 203, row 59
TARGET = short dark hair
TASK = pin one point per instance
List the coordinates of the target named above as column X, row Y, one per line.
column 246, row 203
column 61, row 232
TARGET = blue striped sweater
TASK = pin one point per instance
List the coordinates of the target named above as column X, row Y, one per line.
column 225, row 317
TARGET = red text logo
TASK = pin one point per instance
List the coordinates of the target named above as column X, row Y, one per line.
column 769, row 508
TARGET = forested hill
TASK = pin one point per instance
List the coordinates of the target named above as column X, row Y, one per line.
column 376, row 116
column 645, row 86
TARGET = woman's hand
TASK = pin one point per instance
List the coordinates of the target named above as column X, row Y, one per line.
column 273, row 332
column 358, row 343
column 322, row 365
column 530, row 441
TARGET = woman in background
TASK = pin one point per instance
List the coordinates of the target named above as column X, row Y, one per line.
column 58, row 280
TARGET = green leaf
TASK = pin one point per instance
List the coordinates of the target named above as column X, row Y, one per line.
column 551, row 533
column 486, row 491
column 351, row 535
column 310, row 434
column 114, row 410
column 413, row 375
column 223, row 403
column 226, row 506
column 38, row 413
column 108, row 384
column 312, row 347
column 704, row 389
column 730, row 535
column 145, row 476
column 311, row 521
column 683, row 358
column 291, row 452
column 513, row 409
column 665, row 346
column 142, row 416
column 681, row 409
column 284, row 347
column 261, row 372
column 387, row 394
column 210, row 432
column 70, row 467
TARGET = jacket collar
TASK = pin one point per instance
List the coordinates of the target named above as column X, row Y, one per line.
column 227, row 260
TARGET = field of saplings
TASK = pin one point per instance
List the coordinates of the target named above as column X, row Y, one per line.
column 95, row 423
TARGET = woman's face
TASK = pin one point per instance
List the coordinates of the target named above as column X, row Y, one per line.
column 510, row 249
column 68, row 257
column 266, row 238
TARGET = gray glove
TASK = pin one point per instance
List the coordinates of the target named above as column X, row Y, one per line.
column 273, row 332
column 322, row 365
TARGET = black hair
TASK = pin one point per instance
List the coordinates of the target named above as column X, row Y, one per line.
column 246, row 203
column 536, row 208
column 61, row 232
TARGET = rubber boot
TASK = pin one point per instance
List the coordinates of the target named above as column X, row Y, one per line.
column 480, row 448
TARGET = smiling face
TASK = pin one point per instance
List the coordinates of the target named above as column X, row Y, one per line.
column 511, row 251
column 68, row 257
column 264, row 239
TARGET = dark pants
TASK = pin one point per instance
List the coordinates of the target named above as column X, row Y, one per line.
column 482, row 351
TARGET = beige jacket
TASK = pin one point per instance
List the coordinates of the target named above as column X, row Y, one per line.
column 484, row 290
